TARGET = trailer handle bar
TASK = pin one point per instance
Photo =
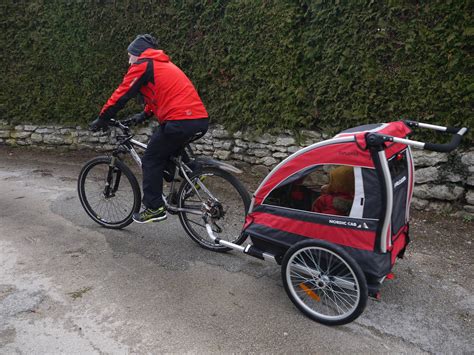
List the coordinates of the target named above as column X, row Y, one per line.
column 374, row 139
column 457, row 134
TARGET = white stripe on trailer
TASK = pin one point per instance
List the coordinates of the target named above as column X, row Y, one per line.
column 359, row 195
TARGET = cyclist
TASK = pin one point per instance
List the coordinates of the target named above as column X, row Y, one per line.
column 172, row 98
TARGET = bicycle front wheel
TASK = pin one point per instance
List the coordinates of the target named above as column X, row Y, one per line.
column 109, row 193
column 228, row 199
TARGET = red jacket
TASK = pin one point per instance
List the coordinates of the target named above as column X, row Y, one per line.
column 168, row 92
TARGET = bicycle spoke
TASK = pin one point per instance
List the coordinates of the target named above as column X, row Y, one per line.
column 196, row 223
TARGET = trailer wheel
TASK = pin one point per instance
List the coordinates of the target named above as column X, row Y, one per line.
column 324, row 282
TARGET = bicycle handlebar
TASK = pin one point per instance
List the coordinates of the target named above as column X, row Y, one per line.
column 125, row 124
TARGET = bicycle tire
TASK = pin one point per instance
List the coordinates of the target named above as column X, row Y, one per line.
column 311, row 282
column 133, row 204
column 237, row 219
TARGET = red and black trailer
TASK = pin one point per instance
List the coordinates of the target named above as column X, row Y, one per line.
column 335, row 216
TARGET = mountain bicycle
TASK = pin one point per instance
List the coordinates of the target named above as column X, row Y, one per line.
column 201, row 191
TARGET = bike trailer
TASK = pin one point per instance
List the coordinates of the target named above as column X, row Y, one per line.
column 335, row 215
column 373, row 230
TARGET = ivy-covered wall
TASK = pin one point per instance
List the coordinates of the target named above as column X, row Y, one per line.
column 271, row 65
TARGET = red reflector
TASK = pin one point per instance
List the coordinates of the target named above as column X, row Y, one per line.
column 390, row 276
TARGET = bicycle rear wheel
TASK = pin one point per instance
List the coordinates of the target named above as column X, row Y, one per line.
column 109, row 194
column 228, row 199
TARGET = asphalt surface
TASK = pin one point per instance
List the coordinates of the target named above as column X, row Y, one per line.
column 69, row 286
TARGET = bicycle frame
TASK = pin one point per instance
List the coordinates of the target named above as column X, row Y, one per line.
column 129, row 143
column 126, row 145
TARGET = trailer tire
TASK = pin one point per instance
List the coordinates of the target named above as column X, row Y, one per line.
column 324, row 282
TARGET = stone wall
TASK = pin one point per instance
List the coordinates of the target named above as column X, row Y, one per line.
column 444, row 182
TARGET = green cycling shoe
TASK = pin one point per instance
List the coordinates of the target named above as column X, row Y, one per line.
column 150, row 215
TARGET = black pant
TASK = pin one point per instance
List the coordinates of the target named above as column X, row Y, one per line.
column 166, row 141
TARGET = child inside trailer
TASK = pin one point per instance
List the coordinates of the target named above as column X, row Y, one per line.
column 337, row 196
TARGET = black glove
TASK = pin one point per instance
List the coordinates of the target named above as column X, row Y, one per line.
column 99, row 124
column 139, row 118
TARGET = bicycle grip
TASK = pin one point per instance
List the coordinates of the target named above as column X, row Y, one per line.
column 454, row 130
column 447, row 147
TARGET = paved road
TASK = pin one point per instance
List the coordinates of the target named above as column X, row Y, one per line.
column 69, row 286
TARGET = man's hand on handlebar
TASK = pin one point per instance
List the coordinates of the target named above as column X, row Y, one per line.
column 99, row 124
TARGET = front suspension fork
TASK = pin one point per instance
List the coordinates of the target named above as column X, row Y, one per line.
column 111, row 185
